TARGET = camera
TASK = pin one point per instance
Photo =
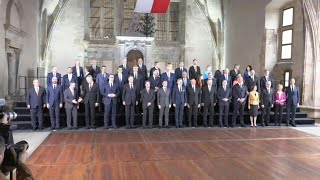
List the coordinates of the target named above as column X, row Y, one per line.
column 6, row 110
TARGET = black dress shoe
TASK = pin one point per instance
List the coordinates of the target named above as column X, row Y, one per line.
column 52, row 128
column 41, row 128
column 267, row 125
column 69, row 128
column 242, row 125
column 75, row 128
column 262, row 124
column 167, row 127
column 34, row 129
column 128, row 127
column 87, row 127
column 287, row 124
column 231, row 125
column 205, row 125
column 92, row 127
column 160, row 127
column 294, row 125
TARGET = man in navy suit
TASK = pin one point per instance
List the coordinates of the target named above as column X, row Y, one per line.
column 155, row 81
column 226, row 77
column 147, row 99
column 185, row 79
column 53, row 73
column 168, row 76
column 120, row 79
column 156, row 67
column 36, row 101
column 239, row 96
column 126, row 70
column 129, row 98
column 95, row 68
column 110, row 95
column 194, row 102
column 179, row 70
column 252, row 80
column 142, row 69
column 224, row 97
column 54, row 103
column 138, row 81
column 102, row 78
column 264, row 79
column 77, row 70
column 179, row 100
column 71, row 99
column 293, row 99
column 69, row 77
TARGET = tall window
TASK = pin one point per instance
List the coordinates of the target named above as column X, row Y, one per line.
column 286, row 34
column 101, row 19
column 168, row 24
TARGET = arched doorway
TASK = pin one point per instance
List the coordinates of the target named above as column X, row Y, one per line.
column 133, row 56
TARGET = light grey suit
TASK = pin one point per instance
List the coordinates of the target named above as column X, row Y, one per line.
column 71, row 108
column 164, row 100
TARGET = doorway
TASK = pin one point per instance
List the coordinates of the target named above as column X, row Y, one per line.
column 133, row 56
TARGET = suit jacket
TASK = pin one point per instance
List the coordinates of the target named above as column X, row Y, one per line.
column 293, row 97
column 171, row 81
column 92, row 96
column 126, row 71
column 250, row 83
column 218, row 74
column 110, row 90
column 194, row 74
column 164, row 98
column 138, row 82
column 54, row 97
column 266, row 98
column 129, row 96
column 122, row 82
column 50, row 76
column 280, row 98
column 153, row 69
column 102, row 80
column 194, row 97
column 84, row 82
column 96, row 71
column 66, row 82
column 229, row 81
column 74, row 71
column 179, row 98
column 234, row 74
column 238, row 92
column 209, row 98
column 263, row 81
column 143, row 71
column 147, row 97
column 35, row 100
column 154, row 82
column 224, row 94
column 178, row 73
column 68, row 97
column 186, row 82
column 214, row 83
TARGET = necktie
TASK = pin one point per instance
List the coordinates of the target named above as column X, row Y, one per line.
column 37, row 91
column 224, row 88
column 292, row 88
column 181, row 69
column 209, row 88
column 269, row 91
column 131, row 86
column 90, row 86
column 164, row 89
column 54, row 74
column 72, row 92
column 252, row 78
column 54, row 87
column 120, row 78
column 135, row 75
column 180, row 89
column 104, row 75
column 226, row 77
column 111, row 84
column 124, row 66
column 194, row 88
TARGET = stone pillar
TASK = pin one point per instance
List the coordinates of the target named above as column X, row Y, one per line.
column 13, row 57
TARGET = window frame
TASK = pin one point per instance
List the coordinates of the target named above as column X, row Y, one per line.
column 283, row 29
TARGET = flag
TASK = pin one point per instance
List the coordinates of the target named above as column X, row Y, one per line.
column 152, row 6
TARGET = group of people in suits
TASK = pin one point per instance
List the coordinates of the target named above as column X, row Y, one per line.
column 131, row 89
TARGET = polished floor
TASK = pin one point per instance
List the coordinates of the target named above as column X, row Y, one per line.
column 264, row 153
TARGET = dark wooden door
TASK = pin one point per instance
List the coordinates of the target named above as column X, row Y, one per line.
column 133, row 56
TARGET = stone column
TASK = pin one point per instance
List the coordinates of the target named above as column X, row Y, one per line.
column 13, row 57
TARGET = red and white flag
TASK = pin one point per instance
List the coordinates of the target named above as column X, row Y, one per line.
column 152, row 6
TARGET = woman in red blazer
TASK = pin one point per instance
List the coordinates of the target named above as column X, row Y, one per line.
column 280, row 100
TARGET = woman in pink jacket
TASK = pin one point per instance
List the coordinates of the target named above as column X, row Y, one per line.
column 280, row 101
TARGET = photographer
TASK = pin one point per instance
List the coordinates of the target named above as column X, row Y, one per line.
column 22, row 171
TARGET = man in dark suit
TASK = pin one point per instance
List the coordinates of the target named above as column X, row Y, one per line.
column 156, row 67
column 77, row 70
column 193, row 102
column 195, row 71
column 54, row 103
column 53, row 73
column 69, row 77
column 234, row 72
column 179, row 100
column 142, row 69
column 120, row 79
column 266, row 101
column 252, row 80
column 224, row 96
column 179, row 70
column 264, row 79
column 226, row 77
column 91, row 100
column 129, row 98
column 219, row 73
column 185, row 80
column 164, row 104
column 147, row 100
column 168, row 76
column 71, row 99
column 214, row 81
column 110, row 93
column 293, row 99
column 126, row 70
column 239, row 96
column 102, row 78
column 36, row 101
column 209, row 95
column 87, row 72
column 95, row 68
column 138, row 81
column 155, row 81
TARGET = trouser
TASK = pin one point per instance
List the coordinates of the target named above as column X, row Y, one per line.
column 38, row 111
column 224, row 109
column 278, row 110
column 146, row 111
column 265, row 115
column 193, row 110
column 165, row 111
column 179, row 114
column 54, row 112
column 90, row 113
column 129, row 110
column 107, row 109
column 79, row 84
column 205, row 115
column 238, row 107
column 291, row 113
column 72, row 114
